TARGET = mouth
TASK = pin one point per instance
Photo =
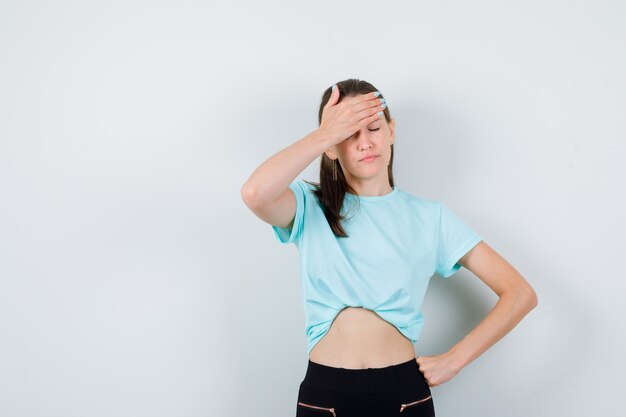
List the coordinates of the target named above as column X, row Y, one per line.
column 368, row 159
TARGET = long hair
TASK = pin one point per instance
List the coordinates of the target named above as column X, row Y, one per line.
column 331, row 192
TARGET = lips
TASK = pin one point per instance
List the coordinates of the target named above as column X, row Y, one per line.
column 368, row 158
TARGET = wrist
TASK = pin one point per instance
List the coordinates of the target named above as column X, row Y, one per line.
column 321, row 136
column 457, row 358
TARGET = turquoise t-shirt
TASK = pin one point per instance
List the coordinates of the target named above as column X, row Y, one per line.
column 396, row 243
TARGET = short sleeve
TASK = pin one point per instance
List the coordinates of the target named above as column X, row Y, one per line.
column 455, row 239
column 292, row 235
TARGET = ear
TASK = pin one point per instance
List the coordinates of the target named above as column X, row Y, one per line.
column 329, row 153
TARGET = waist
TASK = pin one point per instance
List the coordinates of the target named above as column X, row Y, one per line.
column 359, row 339
column 369, row 380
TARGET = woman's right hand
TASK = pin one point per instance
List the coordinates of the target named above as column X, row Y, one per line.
column 341, row 120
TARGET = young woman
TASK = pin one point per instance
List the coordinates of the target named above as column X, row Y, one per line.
column 367, row 251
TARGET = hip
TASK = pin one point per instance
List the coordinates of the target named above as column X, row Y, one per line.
column 399, row 389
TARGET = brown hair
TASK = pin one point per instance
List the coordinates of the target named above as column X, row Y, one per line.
column 329, row 192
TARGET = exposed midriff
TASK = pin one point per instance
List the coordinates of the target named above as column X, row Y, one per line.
column 359, row 338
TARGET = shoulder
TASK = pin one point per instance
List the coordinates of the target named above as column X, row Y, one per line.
column 304, row 190
column 419, row 202
column 308, row 185
column 303, row 186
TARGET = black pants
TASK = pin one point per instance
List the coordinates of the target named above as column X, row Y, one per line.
column 396, row 390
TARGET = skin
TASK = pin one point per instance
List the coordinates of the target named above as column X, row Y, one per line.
column 516, row 299
column 367, row 178
column 358, row 338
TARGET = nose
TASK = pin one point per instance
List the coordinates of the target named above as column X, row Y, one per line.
column 363, row 138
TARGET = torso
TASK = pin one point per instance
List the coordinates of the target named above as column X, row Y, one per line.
column 359, row 338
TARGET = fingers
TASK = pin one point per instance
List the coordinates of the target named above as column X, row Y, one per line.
column 352, row 113
column 370, row 119
column 370, row 114
column 365, row 101
column 417, row 359
column 334, row 96
column 369, row 107
column 363, row 104
column 372, row 98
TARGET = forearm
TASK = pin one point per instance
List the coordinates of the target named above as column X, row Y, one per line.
column 270, row 179
column 511, row 307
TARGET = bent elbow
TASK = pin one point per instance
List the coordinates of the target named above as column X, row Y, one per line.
column 531, row 297
column 525, row 296
column 249, row 195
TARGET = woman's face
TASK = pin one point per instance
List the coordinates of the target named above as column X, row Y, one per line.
column 373, row 139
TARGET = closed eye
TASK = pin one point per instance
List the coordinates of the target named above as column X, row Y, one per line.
column 371, row 130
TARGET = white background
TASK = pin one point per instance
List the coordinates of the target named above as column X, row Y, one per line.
column 135, row 282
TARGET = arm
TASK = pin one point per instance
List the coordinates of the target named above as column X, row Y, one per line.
column 517, row 298
column 272, row 178
column 267, row 193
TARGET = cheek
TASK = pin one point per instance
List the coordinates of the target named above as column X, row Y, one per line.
column 344, row 151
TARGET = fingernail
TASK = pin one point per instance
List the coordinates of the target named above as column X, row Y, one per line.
column 379, row 113
column 377, row 93
column 334, row 86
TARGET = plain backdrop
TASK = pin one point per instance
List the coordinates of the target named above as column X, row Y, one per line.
column 134, row 281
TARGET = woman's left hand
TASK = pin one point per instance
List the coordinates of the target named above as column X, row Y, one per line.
column 438, row 369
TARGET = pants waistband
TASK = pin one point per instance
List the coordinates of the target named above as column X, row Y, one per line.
column 360, row 381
